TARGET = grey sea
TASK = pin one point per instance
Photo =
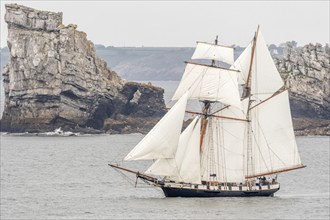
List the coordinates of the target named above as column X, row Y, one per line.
column 56, row 177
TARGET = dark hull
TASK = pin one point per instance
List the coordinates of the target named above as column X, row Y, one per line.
column 177, row 192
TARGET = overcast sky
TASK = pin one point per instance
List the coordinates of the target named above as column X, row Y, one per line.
column 182, row 23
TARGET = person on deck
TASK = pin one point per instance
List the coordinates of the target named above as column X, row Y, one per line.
column 257, row 182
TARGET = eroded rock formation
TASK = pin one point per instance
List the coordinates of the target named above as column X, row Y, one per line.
column 55, row 79
column 306, row 73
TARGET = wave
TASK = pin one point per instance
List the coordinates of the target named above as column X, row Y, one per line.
column 59, row 132
column 56, row 132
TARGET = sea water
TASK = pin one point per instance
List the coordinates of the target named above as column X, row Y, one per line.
column 55, row 177
column 68, row 178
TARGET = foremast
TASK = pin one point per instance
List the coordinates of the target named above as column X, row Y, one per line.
column 206, row 108
column 205, row 113
column 210, row 150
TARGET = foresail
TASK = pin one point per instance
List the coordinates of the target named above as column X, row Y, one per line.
column 185, row 167
column 214, row 52
column 162, row 140
column 209, row 83
column 273, row 141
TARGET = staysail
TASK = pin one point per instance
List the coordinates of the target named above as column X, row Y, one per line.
column 162, row 140
column 185, row 167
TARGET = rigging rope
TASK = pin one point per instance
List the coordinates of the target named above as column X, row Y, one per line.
column 129, row 180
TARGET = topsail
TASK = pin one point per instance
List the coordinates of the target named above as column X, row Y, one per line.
column 209, row 83
column 265, row 79
column 214, row 52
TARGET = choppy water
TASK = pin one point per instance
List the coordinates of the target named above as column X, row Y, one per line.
column 68, row 178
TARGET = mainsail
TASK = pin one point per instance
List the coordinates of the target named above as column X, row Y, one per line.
column 274, row 146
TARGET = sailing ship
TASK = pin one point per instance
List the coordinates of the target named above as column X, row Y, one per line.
column 239, row 141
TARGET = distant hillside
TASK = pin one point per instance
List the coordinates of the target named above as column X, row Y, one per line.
column 149, row 63
column 146, row 63
column 155, row 63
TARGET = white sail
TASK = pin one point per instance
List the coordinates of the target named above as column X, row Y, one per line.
column 189, row 155
column 273, row 141
column 209, row 83
column 242, row 63
column 210, row 163
column 163, row 167
column 224, row 149
column 185, row 167
column 162, row 140
column 265, row 79
column 227, row 140
column 214, row 52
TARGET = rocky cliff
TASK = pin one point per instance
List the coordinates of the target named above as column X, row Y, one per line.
column 55, row 79
column 306, row 73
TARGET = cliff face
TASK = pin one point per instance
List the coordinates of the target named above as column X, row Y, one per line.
column 55, row 79
column 306, row 73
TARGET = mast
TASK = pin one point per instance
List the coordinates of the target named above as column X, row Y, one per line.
column 247, row 88
column 204, row 121
column 206, row 108
column 247, row 94
column 216, row 43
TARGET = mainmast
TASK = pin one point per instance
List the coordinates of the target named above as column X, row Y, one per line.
column 247, row 94
column 247, row 88
column 257, row 163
